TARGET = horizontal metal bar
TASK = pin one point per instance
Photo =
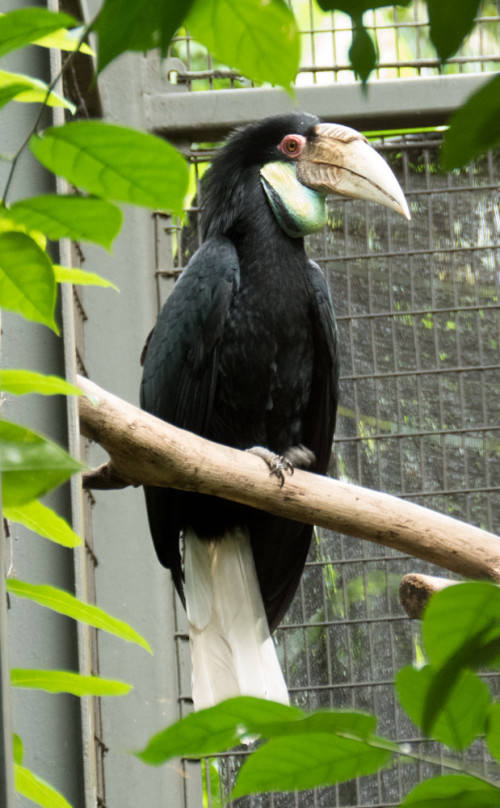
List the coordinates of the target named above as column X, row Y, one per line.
column 340, row 685
column 374, row 315
column 351, row 685
column 404, row 253
column 447, row 433
column 395, row 103
column 418, row 372
column 449, row 492
column 187, row 76
column 401, row 63
column 362, row 560
column 347, row 621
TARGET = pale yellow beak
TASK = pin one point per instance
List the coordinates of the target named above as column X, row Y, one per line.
column 339, row 160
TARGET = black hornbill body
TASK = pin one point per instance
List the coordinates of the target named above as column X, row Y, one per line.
column 244, row 352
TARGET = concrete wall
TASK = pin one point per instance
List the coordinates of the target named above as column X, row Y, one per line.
column 129, row 581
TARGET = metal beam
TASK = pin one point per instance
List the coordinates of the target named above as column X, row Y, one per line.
column 395, row 104
column 7, row 796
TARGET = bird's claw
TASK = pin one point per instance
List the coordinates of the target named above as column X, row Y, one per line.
column 279, row 465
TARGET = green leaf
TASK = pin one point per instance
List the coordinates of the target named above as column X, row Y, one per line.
column 65, row 603
column 115, row 162
column 27, row 283
column 461, row 622
column 123, row 26
column 305, row 761
column 23, row 382
column 229, row 723
column 80, row 277
column 258, row 37
column 216, row 728
column 67, row 682
column 18, row 87
column 66, row 41
column 7, row 225
column 17, row 748
column 453, row 791
column 45, row 522
column 19, row 28
column 361, row 725
column 474, row 128
column 362, row 53
column 493, row 731
column 446, row 679
column 450, row 22
column 32, row 787
column 31, row 464
column 79, row 218
column 458, row 717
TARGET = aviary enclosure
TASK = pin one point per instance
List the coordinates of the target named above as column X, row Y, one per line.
column 419, row 317
column 417, row 307
column 418, row 312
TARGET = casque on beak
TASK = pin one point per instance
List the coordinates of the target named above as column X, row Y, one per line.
column 340, row 160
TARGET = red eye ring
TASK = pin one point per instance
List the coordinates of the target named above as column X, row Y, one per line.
column 292, row 145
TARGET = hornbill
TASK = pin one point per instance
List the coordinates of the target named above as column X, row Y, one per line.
column 245, row 353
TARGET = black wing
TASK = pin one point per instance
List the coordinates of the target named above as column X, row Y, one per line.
column 322, row 415
column 280, row 546
column 180, row 370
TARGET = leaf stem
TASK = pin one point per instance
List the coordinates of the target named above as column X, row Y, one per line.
column 382, row 743
column 15, row 159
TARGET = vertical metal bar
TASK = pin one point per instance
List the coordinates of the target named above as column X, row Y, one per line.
column 311, row 37
column 81, row 586
column 7, row 793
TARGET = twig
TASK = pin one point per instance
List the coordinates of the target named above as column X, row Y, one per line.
column 43, row 105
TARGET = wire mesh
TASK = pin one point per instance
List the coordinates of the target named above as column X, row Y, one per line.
column 401, row 37
column 419, row 319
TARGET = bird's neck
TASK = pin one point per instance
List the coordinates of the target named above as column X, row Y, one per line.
column 269, row 258
column 260, row 225
column 245, row 215
column 299, row 210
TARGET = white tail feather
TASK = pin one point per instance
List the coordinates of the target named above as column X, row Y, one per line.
column 231, row 649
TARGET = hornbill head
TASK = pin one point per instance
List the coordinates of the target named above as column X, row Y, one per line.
column 314, row 159
column 297, row 161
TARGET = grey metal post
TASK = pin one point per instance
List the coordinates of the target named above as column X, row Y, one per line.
column 6, row 758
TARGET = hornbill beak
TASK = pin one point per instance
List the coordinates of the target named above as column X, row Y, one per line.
column 337, row 159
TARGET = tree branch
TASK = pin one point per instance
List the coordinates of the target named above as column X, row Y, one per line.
column 416, row 590
column 147, row 451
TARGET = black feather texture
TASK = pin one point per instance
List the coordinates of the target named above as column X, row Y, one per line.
column 245, row 353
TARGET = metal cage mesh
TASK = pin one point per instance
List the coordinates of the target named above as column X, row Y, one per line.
column 401, row 36
column 419, row 319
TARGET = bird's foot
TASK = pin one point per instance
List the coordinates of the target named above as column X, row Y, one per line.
column 279, row 465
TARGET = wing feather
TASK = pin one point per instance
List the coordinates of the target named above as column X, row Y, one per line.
column 180, row 371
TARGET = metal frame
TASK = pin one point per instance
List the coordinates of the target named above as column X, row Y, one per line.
column 392, row 104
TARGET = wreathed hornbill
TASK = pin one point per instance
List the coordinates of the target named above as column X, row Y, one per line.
column 244, row 352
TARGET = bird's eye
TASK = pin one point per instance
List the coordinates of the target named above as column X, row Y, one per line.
column 292, row 145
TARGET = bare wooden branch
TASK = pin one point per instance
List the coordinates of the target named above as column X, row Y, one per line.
column 416, row 590
column 105, row 478
column 147, row 451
